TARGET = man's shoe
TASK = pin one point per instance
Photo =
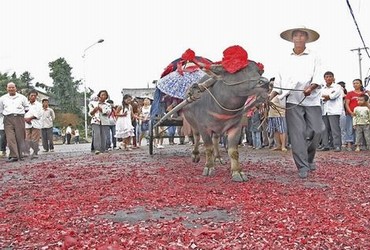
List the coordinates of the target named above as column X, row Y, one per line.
column 337, row 149
column 312, row 166
column 303, row 173
column 51, row 150
column 323, row 149
column 11, row 159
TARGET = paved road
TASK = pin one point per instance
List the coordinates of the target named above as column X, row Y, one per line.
column 60, row 150
column 72, row 150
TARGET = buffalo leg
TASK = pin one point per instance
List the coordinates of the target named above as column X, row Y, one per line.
column 216, row 148
column 209, row 168
column 195, row 154
column 236, row 171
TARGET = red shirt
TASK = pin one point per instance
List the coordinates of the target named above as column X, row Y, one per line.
column 352, row 96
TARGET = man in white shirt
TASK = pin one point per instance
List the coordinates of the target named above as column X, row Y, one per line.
column 69, row 133
column 47, row 119
column 33, row 124
column 299, row 83
column 13, row 106
column 332, row 108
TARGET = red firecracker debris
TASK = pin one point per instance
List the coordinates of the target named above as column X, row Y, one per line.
column 128, row 200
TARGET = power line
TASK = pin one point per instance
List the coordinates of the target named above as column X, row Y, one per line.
column 358, row 29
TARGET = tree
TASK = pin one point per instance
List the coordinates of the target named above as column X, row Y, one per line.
column 43, row 86
column 23, row 83
column 27, row 79
column 65, row 89
column 4, row 79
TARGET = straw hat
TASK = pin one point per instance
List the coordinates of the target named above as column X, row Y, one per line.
column 312, row 35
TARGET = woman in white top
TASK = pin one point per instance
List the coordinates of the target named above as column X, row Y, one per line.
column 100, row 111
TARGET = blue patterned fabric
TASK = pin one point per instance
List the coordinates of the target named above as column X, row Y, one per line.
column 176, row 85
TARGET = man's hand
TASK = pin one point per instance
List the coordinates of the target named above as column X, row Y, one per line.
column 272, row 95
column 325, row 97
column 307, row 91
column 28, row 120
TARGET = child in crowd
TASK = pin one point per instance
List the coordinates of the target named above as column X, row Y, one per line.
column 277, row 124
column 124, row 128
column 361, row 122
column 77, row 136
column 144, row 119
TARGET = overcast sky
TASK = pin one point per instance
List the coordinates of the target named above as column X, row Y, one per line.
column 142, row 37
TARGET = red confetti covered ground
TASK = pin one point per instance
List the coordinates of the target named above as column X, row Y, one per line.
column 131, row 200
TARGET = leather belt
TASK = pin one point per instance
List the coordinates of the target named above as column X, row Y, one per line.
column 14, row 115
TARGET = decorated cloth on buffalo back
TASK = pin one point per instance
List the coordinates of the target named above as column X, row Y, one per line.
column 180, row 74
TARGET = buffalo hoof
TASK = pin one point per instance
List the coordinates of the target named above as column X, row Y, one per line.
column 195, row 158
column 208, row 171
column 239, row 176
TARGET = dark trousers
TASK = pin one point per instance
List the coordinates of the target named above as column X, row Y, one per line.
column 332, row 130
column 15, row 132
column 77, row 139
column 32, row 140
column 68, row 137
column 47, row 138
column 248, row 133
column 2, row 141
column 305, row 127
column 111, row 139
column 100, row 133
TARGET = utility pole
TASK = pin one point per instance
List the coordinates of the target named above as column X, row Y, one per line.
column 359, row 58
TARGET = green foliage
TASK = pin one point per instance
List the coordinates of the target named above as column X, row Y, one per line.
column 27, row 79
column 43, row 86
column 4, row 79
column 23, row 83
column 65, row 89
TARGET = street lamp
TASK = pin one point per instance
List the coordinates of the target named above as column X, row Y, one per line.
column 85, row 98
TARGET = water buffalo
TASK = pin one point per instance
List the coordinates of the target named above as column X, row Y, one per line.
column 219, row 109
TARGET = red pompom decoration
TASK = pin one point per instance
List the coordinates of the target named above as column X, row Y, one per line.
column 260, row 66
column 188, row 55
column 167, row 70
column 235, row 58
